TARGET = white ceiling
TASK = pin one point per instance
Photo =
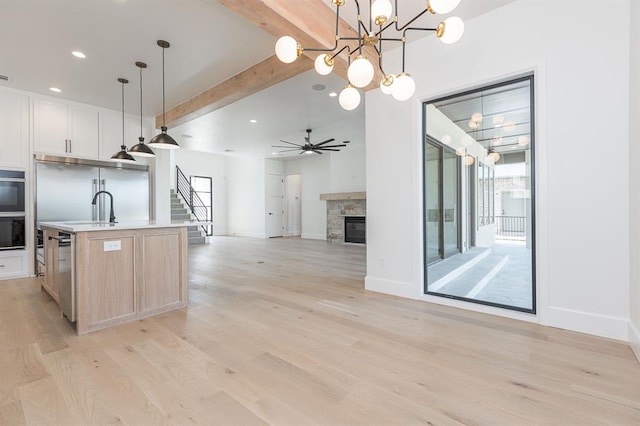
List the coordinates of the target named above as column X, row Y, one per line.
column 208, row 45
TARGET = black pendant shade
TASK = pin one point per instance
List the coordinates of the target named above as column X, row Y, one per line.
column 140, row 149
column 163, row 140
column 122, row 155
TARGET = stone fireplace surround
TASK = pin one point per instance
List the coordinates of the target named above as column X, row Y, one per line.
column 340, row 205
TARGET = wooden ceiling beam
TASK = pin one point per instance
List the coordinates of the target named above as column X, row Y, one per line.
column 252, row 80
column 310, row 22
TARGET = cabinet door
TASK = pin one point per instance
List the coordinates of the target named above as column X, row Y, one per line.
column 51, row 264
column 14, row 130
column 50, row 127
column 83, row 135
column 111, row 132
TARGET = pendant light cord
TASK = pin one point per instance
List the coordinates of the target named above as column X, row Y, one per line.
column 123, row 113
column 140, row 101
column 163, row 108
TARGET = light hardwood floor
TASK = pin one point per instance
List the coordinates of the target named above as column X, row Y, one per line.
column 281, row 331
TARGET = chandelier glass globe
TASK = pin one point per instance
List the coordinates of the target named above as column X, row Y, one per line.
column 287, row 49
column 404, row 87
column 443, row 6
column 349, row 98
column 321, row 64
column 381, row 11
column 360, row 72
column 386, row 84
column 451, row 30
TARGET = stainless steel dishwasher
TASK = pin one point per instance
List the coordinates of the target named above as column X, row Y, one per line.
column 65, row 271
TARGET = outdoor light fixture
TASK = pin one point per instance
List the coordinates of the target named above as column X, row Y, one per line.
column 361, row 71
column 122, row 156
column 163, row 140
column 140, row 149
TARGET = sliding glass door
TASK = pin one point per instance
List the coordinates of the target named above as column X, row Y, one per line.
column 442, row 197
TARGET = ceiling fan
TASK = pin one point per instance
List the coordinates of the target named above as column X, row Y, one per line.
column 310, row 148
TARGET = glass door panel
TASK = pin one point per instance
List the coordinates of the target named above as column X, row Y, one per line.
column 432, row 202
column 450, row 201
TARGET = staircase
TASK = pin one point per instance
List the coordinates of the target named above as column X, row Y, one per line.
column 179, row 212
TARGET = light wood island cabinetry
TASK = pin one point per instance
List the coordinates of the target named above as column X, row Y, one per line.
column 121, row 272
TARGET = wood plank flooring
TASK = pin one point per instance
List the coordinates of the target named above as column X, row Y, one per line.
column 281, row 332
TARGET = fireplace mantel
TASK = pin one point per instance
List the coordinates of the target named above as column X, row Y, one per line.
column 341, row 196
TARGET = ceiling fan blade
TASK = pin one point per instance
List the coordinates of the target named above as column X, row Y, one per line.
column 346, row 141
column 283, row 146
column 323, row 142
column 329, row 149
column 317, row 152
column 331, row 146
column 289, row 150
column 290, row 143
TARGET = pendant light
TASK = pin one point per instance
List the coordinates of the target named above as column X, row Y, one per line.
column 122, row 156
column 163, row 140
column 140, row 149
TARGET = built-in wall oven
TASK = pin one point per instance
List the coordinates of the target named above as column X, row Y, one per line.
column 12, row 195
column 12, row 210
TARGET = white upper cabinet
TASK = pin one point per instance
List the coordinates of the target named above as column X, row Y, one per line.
column 14, row 130
column 63, row 129
column 111, row 132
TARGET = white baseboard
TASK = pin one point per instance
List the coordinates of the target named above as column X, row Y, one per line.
column 394, row 288
column 586, row 322
column 634, row 339
column 313, row 236
column 248, row 234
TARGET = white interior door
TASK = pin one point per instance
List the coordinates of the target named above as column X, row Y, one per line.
column 275, row 205
column 294, row 204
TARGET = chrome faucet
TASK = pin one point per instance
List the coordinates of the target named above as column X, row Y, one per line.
column 112, row 217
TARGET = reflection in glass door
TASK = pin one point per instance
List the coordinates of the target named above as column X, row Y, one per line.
column 441, row 200
column 432, row 194
column 450, row 200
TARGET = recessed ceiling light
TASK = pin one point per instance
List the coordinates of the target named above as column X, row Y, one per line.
column 253, row 121
column 333, row 94
column 55, row 89
column 78, row 54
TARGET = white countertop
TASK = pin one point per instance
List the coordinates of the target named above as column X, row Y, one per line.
column 88, row 226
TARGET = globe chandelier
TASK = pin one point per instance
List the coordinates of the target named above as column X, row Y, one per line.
column 361, row 71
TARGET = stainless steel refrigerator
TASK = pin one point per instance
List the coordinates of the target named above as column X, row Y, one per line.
column 66, row 186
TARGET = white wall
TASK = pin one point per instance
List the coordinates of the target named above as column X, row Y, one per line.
column 315, row 176
column 582, row 210
column 246, row 197
column 211, row 165
column 634, row 179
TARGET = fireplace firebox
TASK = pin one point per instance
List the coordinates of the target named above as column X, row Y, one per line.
column 355, row 229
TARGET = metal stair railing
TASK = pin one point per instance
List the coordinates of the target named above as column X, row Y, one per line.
column 199, row 210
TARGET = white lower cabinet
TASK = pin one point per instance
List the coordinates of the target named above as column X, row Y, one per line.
column 13, row 264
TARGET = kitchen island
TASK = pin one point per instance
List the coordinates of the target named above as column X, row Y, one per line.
column 117, row 272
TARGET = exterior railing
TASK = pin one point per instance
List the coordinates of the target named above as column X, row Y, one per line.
column 511, row 227
column 195, row 204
